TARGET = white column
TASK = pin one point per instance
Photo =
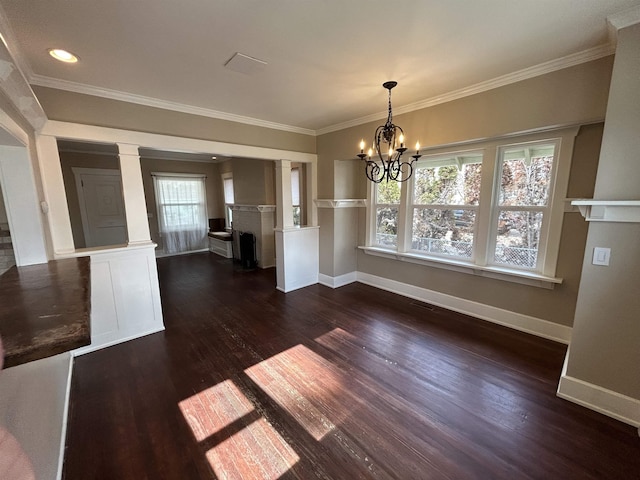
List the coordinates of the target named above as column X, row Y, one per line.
column 55, row 196
column 22, row 205
column 133, row 193
column 312, row 193
column 296, row 248
column 284, row 207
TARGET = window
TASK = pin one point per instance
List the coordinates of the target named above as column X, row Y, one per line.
column 524, row 177
column 182, row 211
column 227, row 187
column 446, row 194
column 496, row 207
column 387, row 203
column 295, row 195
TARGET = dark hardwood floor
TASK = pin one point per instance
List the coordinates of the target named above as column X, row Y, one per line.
column 247, row 382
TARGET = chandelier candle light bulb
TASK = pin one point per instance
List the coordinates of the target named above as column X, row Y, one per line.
column 391, row 168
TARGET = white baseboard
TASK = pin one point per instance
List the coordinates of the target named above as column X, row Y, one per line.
column 607, row 402
column 518, row 321
column 99, row 345
column 339, row 281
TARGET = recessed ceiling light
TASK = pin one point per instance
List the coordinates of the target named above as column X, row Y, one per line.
column 63, row 55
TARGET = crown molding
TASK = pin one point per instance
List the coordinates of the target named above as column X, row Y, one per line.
column 75, row 87
column 524, row 74
column 13, row 82
column 11, row 44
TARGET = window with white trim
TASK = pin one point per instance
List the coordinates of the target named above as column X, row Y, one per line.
column 446, row 195
column 182, row 211
column 496, row 206
column 295, row 196
column 227, row 188
column 524, row 176
column 387, row 209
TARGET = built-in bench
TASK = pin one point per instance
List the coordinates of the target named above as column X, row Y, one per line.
column 221, row 243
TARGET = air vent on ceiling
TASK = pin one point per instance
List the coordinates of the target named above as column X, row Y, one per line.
column 245, row 64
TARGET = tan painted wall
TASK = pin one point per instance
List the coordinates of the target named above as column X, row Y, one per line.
column 253, row 181
column 570, row 96
column 213, row 185
column 605, row 346
column 576, row 95
column 90, row 110
column 68, row 160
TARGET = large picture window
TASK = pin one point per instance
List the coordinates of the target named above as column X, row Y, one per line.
column 494, row 207
column 182, row 211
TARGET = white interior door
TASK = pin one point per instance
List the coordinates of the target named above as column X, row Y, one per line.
column 101, row 207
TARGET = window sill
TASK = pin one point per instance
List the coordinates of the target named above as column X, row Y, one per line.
column 500, row 273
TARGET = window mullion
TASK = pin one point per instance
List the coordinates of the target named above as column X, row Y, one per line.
column 404, row 213
column 484, row 235
column 371, row 217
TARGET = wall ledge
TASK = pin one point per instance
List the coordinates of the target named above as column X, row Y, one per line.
column 626, row 211
column 254, row 208
column 340, row 202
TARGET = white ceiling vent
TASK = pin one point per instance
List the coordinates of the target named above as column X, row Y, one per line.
column 245, row 64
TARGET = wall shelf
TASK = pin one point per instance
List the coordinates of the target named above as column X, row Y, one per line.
column 340, row 202
column 627, row 211
column 254, row 208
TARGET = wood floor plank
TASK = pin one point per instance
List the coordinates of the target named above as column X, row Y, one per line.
column 247, row 382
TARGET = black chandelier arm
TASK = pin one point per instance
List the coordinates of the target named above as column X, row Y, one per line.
column 408, row 172
column 374, row 172
column 386, row 134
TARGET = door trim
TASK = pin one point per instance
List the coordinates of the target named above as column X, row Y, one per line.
column 77, row 173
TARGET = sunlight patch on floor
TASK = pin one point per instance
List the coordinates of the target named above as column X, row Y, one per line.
column 300, row 381
column 215, row 408
column 255, row 452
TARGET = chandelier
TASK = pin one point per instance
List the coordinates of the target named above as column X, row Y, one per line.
column 391, row 168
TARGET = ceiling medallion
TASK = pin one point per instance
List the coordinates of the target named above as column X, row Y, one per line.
column 391, row 168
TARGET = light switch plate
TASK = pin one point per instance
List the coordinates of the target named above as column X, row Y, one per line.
column 601, row 256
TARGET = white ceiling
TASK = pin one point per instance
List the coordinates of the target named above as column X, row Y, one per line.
column 326, row 59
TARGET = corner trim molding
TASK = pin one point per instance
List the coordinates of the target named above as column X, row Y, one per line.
column 339, row 281
column 517, row 321
column 625, row 18
column 609, row 403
